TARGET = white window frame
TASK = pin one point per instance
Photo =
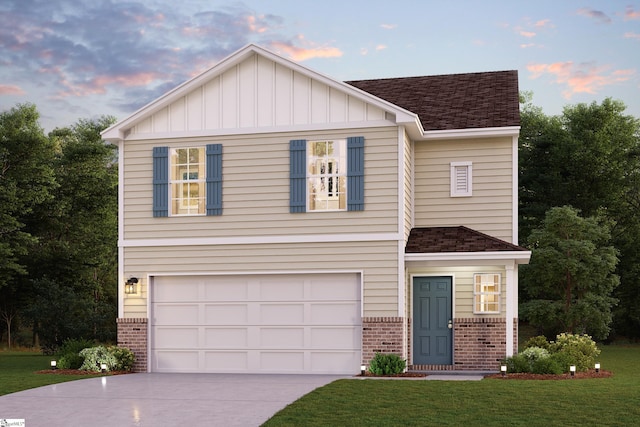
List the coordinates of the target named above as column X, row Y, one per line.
column 187, row 180
column 461, row 179
column 481, row 300
column 328, row 178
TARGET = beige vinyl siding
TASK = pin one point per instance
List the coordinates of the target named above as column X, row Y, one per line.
column 463, row 287
column 489, row 209
column 377, row 261
column 256, row 189
column 408, row 186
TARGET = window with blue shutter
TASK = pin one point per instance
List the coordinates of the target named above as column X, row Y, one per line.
column 160, row 181
column 214, row 179
column 297, row 176
column 355, row 173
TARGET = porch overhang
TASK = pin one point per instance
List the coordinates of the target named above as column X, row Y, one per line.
column 478, row 258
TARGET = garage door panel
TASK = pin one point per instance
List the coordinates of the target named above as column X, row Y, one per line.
column 167, row 337
column 290, row 338
column 292, row 362
column 226, row 314
column 177, row 314
column 226, row 361
column 176, row 361
column 277, row 323
column 338, row 338
column 226, row 338
column 335, row 313
column 281, row 314
column 226, row 289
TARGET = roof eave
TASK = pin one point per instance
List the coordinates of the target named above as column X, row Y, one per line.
column 519, row 257
column 470, row 133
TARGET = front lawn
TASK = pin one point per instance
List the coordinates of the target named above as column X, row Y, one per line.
column 18, row 371
column 611, row 401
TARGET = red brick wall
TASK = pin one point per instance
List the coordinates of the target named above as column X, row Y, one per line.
column 381, row 335
column 479, row 343
column 132, row 334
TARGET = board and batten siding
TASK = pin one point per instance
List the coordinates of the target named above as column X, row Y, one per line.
column 258, row 93
column 377, row 260
column 490, row 208
column 255, row 189
column 463, row 286
column 408, row 185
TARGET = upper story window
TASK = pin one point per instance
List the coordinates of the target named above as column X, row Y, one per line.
column 486, row 293
column 187, row 181
column 461, row 179
column 327, row 175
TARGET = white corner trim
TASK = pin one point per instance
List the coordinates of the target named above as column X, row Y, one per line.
column 259, row 240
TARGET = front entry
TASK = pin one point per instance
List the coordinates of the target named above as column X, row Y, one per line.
column 432, row 322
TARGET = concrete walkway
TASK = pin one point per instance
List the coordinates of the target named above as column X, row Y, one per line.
column 160, row 400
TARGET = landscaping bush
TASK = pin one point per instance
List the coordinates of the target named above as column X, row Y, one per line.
column 543, row 357
column 387, row 364
column 116, row 358
column 68, row 354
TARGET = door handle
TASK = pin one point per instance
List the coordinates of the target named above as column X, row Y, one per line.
column 450, row 324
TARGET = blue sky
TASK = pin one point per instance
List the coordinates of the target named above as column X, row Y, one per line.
column 81, row 59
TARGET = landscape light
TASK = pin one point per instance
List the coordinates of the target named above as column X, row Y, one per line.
column 597, row 367
column 54, row 364
column 503, row 369
column 572, row 368
column 103, row 367
column 363, row 369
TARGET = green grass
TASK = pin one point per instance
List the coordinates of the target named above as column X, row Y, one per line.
column 611, row 401
column 18, row 371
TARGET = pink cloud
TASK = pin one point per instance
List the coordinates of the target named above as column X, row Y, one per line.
column 11, row 90
column 630, row 14
column 527, row 34
column 631, row 35
column 255, row 26
column 595, row 14
column 302, row 53
column 580, row 78
column 543, row 23
column 98, row 85
column 381, row 47
column 388, row 26
column 527, row 45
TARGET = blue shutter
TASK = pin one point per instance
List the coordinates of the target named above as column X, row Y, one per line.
column 214, row 179
column 160, row 181
column 355, row 173
column 297, row 176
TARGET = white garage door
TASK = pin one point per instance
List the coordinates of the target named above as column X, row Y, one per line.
column 256, row 324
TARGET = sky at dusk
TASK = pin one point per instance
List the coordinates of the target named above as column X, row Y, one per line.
column 80, row 59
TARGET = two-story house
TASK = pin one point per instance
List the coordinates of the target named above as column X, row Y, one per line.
column 275, row 220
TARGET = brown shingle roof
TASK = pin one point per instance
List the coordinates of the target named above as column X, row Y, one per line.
column 455, row 239
column 454, row 101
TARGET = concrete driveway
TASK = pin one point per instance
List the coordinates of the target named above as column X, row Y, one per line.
column 160, row 400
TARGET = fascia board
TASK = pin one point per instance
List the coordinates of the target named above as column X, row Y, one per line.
column 520, row 257
column 470, row 133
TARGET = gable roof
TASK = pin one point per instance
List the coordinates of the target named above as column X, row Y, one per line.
column 455, row 239
column 454, row 101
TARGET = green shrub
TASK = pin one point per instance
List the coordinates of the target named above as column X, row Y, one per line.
column 563, row 360
column 124, row 358
column 96, row 356
column 547, row 365
column 68, row 354
column 387, row 364
column 539, row 341
column 517, row 364
column 533, row 354
column 70, row 361
column 580, row 348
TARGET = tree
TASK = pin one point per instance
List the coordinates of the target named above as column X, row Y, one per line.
column 26, row 181
column 570, row 278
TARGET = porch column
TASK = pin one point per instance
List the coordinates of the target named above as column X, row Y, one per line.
column 512, row 306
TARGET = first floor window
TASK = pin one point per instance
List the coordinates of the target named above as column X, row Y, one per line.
column 327, row 175
column 486, row 293
column 187, row 181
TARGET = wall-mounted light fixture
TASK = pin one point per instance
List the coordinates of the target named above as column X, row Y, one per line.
column 130, row 285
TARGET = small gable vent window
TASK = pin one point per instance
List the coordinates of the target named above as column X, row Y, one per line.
column 461, row 179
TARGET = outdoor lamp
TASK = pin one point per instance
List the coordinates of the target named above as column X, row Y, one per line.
column 503, row 369
column 597, row 368
column 363, row 369
column 54, row 364
column 103, row 367
column 572, row 368
column 130, row 285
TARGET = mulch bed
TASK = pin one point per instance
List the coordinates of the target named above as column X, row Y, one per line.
column 79, row 372
column 578, row 376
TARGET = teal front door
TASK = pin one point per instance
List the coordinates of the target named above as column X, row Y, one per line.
column 432, row 327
